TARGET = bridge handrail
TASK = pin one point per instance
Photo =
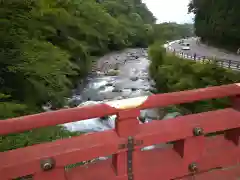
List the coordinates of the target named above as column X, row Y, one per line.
column 188, row 132
column 29, row 122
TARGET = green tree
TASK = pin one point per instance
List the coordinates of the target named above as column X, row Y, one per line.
column 217, row 22
column 47, row 44
column 172, row 74
column 172, row 31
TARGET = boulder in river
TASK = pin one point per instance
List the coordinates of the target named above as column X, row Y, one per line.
column 109, row 84
column 117, row 90
column 149, row 114
column 134, row 89
column 134, row 78
column 171, row 115
column 102, row 88
column 112, row 72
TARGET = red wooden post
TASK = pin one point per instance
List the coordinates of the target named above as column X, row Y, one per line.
column 190, row 149
column 126, row 126
column 127, row 123
column 234, row 134
column 236, row 102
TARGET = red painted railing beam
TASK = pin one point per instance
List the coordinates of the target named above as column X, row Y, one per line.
column 69, row 151
column 25, row 161
column 55, row 174
column 165, row 163
column 21, row 124
column 168, row 164
column 220, row 153
column 25, row 123
column 103, row 169
column 163, row 100
column 182, row 127
column 218, row 174
column 191, row 153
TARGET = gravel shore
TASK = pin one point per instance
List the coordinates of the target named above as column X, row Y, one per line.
column 115, row 59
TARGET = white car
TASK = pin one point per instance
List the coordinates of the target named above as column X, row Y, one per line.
column 185, row 46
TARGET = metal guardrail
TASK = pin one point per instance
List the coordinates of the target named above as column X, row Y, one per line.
column 225, row 63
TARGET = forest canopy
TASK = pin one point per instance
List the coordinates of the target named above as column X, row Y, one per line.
column 45, row 44
column 172, row 31
column 217, row 22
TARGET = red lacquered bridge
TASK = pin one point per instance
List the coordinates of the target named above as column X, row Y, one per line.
column 190, row 155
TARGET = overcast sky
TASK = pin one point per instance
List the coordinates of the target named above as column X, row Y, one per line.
column 170, row 10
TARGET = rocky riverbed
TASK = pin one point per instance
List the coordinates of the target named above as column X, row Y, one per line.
column 115, row 76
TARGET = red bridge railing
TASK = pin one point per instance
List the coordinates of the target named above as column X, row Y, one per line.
column 190, row 155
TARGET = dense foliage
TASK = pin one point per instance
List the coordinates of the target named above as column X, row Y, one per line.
column 217, row 21
column 47, row 43
column 173, row 74
column 172, row 31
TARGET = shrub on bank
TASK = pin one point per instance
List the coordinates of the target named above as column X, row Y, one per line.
column 172, row 74
column 36, row 136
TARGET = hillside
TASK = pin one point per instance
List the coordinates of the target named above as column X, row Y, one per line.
column 172, row 31
column 46, row 44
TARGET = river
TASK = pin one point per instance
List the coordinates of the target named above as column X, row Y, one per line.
column 129, row 80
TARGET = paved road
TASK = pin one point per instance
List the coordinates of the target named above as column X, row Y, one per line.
column 204, row 50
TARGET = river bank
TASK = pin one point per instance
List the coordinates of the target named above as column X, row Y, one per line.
column 172, row 73
column 131, row 80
